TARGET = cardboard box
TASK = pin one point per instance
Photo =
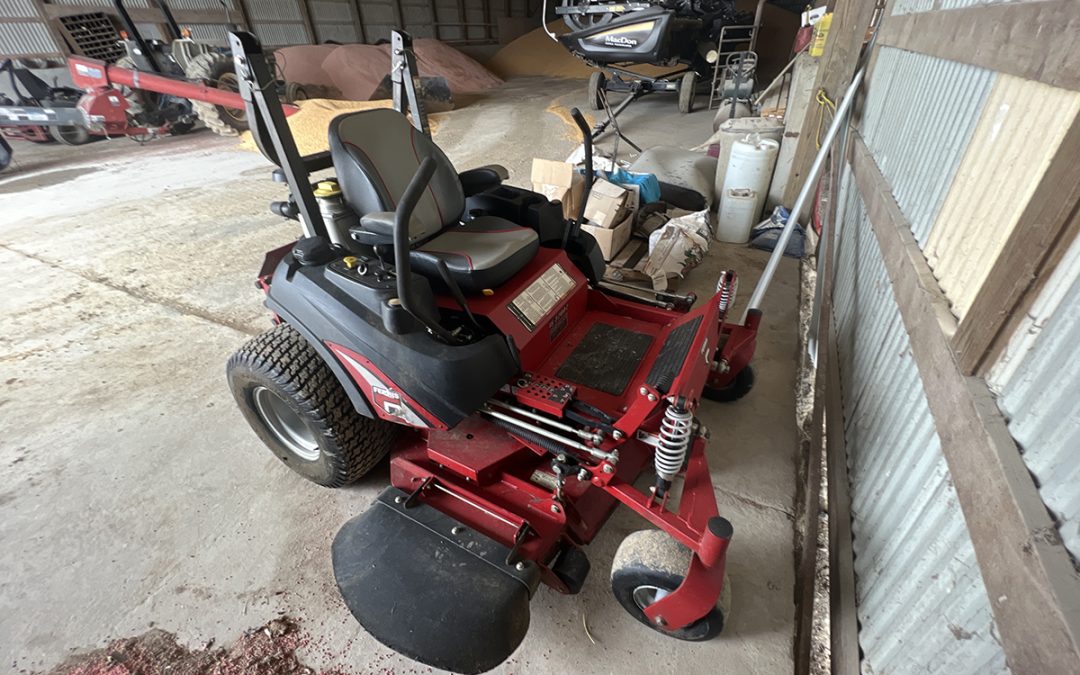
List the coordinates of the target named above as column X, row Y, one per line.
column 558, row 180
column 607, row 204
column 610, row 239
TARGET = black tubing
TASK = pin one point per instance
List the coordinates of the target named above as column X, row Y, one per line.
column 586, row 136
column 402, row 265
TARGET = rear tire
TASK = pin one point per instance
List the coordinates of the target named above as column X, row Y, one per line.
column 217, row 70
column 649, row 562
column 295, row 404
column 596, row 84
column 295, row 92
column 687, row 92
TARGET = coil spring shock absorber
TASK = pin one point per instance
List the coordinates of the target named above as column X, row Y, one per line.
column 727, row 286
column 675, row 431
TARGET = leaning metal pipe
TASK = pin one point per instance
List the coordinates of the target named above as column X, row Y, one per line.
column 839, row 119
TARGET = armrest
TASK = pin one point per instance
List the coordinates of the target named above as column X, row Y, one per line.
column 375, row 228
column 313, row 162
column 475, row 181
column 380, row 223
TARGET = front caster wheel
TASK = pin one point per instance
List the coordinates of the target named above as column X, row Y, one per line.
column 734, row 390
column 597, row 83
column 687, row 92
column 649, row 565
column 295, row 404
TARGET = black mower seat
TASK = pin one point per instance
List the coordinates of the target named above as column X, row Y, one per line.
column 376, row 153
column 482, row 253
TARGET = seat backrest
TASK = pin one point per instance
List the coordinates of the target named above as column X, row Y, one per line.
column 376, row 153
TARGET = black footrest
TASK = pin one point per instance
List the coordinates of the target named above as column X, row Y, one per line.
column 448, row 600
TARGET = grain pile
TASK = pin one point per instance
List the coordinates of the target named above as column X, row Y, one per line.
column 309, row 126
column 353, row 71
column 535, row 53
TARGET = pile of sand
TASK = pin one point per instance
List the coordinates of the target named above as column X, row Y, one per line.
column 353, row 71
column 310, row 125
column 535, row 53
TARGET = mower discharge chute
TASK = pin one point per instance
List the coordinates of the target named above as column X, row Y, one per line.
column 461, row 325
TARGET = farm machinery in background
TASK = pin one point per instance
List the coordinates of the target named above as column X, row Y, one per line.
column 157, row 88
column 687, row 35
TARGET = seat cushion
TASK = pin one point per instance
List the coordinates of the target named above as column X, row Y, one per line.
column 482, row 253
column 376, row 153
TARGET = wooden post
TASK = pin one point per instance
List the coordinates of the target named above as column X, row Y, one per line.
column 358, row 20
column 400, row 14
column 842, row 47
column 1049, row 224
column 50, row 25
column 305, row 14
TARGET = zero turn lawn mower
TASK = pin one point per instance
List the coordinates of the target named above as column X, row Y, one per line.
column 687, row 35
column 461, row 325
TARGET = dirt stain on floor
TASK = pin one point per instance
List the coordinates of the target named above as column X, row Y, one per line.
column 41, row 180
column 267, row 650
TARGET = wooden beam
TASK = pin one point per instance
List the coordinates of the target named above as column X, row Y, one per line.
column 813, row 447
column 435, row 19
column 361, row 29
column 842, row 48
column 400, row 14
column 245, row 17
column 1033, row 40
column 309, row 24
column 843, row 606
column 1033, row 589
column 1049, row 224
column 141, row 14
column 50, row 26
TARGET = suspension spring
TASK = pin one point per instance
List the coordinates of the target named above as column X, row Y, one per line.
column 675, row 431
column 727, row 286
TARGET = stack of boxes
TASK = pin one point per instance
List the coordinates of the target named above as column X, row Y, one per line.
column 609, row 212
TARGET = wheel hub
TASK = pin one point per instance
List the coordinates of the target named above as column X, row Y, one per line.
column 646, row 595
column 285, row 424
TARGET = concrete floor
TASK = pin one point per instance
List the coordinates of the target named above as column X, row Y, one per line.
column 134, row 495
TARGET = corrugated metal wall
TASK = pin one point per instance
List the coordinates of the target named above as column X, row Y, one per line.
column 963, row 149
column 282, row 22
column 21, row 39
column 1038, row 380
column 920, row 594
column 918, row 139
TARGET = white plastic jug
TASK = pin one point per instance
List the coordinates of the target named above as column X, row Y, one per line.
column 737, row 130
column 750, row 168
column 736, row 217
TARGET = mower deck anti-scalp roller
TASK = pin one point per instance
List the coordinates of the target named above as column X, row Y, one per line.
column 459, row 325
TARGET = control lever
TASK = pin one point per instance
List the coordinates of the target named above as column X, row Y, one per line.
column 573, row 227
